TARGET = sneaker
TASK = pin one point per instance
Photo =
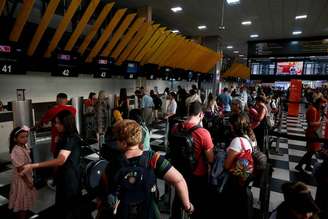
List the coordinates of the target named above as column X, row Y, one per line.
column 309, row 168
column 299, row 168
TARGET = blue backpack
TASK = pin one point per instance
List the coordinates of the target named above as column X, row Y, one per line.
column 219, row 176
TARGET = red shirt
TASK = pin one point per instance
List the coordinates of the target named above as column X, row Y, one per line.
column 202, row 142
column 312, row 115
column 50, row 116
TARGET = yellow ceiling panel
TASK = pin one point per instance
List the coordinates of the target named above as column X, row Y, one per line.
column 150, row 43
column 154, row 48
column 125, row 24
column 178, row 53
column 103, row 14
column 144, row 40
column 134, row 42
column 45, row 20
column 21, row 20
column 2, row 5
column 167, row 42
column 83, row 22
column 168, row 51
column 128, row 36
column 106, row 34
column 62, row 27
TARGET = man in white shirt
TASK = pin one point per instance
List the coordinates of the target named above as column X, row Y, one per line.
column 243, row 96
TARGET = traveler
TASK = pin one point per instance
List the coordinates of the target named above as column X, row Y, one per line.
column 194, row 97
column 298, row 203
column 102, row 114
column 260, row 127
column 147, row 105
column 89, row 118
column 50, row 116
column 136, row 116
column 124, row 103
column 128, row 188
column 171, row 107
column 226, row 99
column 236, row 106
column 67, row 163
column 2, row 107
column 211, row 105
column 157, row 104
column 313, row 125
column 243, row 96
column 236, row 197
column 202, row 152
column 22, row 194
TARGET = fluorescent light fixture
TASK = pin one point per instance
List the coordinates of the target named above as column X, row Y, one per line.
column 312, row 57
column 254, row 36
column 246, row 23
column 294, row 42
column 299, row 17
column 175, row 31
column 233, row 2
column 229, row 47
column 241, row 55
column 202, row 27
column 176, row 9
column 297, row 32
column 236, row 51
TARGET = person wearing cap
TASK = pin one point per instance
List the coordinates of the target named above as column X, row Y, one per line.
column 298, row 203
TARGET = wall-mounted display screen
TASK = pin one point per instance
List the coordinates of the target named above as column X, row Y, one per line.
column 263, row 68
column 150, row 71
column 166, row 73
column 289, row 68
column 10, row 59
column 66, row 64
column 104, row 67
column 131, row 70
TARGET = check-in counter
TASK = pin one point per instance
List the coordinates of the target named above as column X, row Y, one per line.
column 6, row 126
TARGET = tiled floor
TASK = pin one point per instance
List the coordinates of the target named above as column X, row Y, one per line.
column 283, row 166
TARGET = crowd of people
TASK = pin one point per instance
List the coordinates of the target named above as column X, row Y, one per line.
column 195, row 158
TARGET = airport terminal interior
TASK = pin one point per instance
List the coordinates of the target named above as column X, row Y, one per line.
column 148, row 109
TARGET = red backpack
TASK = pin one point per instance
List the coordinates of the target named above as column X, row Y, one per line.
column 244, row 164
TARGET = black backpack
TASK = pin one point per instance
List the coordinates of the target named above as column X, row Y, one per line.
column 136, row 189
column 181, row 150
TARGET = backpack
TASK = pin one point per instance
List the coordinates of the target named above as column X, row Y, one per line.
column 218, row 176
column 259, row 158
column 136, row 188
column 93, row 173
column 244, row 164
column 181, row 150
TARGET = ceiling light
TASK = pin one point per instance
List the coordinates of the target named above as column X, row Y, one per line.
column 229, row 47
column 236, row 51
column 294, row 42
column 233, row 2
column 303, row 16
column 241, row 55
column 312, row 57
column 176, row 9
column 297, row 32
column 202, row 27
column 254, row 36
column 246, row 23
column 175, row 31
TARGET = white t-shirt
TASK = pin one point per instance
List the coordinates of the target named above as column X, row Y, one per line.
column 172, row 107
column 235, row 144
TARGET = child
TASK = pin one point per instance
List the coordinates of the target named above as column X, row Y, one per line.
column 22, row 192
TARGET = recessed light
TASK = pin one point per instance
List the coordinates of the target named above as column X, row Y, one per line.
column 176, row 9
column 236, row 51
column 175, row 31
column 246, row 23
column 303, row 16
column 202, row 27
column 254, row 36
column 233, row 2
column 297, row 32
column 229, row 47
